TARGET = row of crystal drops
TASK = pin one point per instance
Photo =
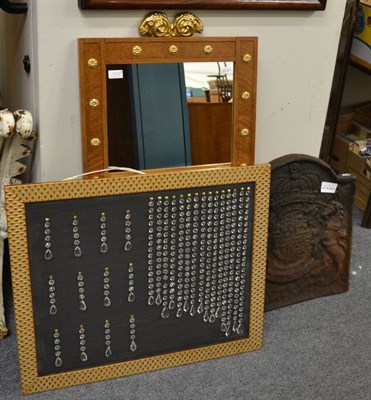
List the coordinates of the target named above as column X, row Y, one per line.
column 77, row 252
column 82, row 335
column 197, row 255
column 76, row 244
column 82, row 294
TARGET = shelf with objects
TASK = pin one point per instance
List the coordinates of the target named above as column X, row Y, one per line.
column 346, row 144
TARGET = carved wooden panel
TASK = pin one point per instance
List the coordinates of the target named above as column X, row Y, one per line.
column 310, row 231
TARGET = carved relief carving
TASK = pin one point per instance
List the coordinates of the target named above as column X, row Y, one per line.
column 157, row 24
column 309, row 232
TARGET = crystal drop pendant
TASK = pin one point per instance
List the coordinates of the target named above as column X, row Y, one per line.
column 83, row 356
column 48, row 255
column 218, row 312
column 107, row 302
column 77, row 252
column 179, row 312
column 53, row 309
column 165, row 313
column 171, row 305
column 228, row 331
column 158, row 300
column 151, row 300
column 212, row 318
column 206, row 316
column 108, row 352
column 192, row 311
column 128, row 246
column 133, row 346
column 223, row 327
column 82, row 305
column 131, row 297
column 234, row 328
column 58, row 362
column 104, row 248
column 239, row 329
column 186, row 306
column 200, row 308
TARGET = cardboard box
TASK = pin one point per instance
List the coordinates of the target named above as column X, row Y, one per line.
column 361, row 169
column 361, row 46
column 363, row 115
column 339, row 153
column 351, row 128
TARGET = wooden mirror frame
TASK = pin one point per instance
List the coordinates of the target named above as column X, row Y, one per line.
column 205, row 4
column 96, row 54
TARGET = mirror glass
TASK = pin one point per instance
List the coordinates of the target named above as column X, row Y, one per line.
column 169, row 114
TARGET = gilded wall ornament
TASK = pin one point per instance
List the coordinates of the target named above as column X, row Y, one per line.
column 157, row 24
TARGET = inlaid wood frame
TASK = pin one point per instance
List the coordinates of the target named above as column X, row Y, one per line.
column 96, row 53
column 19, row 199
column 204, row 4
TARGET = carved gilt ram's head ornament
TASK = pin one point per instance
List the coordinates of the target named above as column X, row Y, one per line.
column 157, row 24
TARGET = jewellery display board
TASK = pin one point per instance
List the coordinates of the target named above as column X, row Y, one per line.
column 118, row 276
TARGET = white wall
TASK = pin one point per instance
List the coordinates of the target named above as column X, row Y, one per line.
column 297, row 53
column 19, row 89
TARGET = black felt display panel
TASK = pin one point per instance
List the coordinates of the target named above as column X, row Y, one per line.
column 154, row 334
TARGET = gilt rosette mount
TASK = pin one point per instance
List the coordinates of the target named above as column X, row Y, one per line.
column 157, row 24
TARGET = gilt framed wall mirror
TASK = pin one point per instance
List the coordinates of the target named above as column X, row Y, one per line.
column 150, row 103
column 205, row 4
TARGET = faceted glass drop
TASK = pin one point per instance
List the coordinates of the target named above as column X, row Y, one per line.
column 133, row 346
column 171, row 305
column 104, row 248
column 212, row 318
column 151, row 300
column 186, row 306
column 239, row 329
column 131, row 297
column 179, row 313
column 218, row 312
column 53, row 309
column 128, row 246
column 48, row 254
column 192, row 311
column 158, row 300
column 82, row 305
column 83, row 357
column 200, row 308
column 107, row 302
column 165, row 313
column 108, row 352
column 228, row 331
column 58, row 362
column 234, row 328
column 206, row 316
column 77, row 252
column 223, row 327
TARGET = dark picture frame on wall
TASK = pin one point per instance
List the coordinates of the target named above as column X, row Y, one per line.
column 203, row 4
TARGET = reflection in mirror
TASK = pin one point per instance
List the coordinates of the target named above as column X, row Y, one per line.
column 168, row 115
